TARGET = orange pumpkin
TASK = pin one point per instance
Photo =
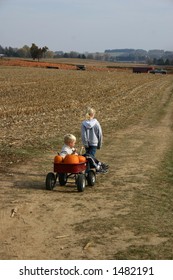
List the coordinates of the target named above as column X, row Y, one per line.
column 82, row 159
column 71, row 159
column 58, row 159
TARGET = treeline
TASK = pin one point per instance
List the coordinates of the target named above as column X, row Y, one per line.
column 156, row 57
column 36, row 52
column 15, row 52
column 27, row 52
column 160, row 61
column 144, row 59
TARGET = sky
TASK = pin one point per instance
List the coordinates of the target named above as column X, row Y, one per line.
column 87, row 25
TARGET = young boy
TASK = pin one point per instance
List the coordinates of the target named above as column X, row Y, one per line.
column 69, row 148
column 69, row 145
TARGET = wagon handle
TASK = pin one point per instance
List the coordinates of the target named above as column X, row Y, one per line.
column 81, row 150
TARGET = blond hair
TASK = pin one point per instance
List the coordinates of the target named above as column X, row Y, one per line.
column 69, row 138
column 90, row 113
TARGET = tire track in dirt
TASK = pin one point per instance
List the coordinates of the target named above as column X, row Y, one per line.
column 145, row 135
column 139, row 152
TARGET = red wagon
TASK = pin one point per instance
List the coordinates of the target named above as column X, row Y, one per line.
column 80, row 172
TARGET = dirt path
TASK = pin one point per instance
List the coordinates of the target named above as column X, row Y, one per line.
column 95, row 224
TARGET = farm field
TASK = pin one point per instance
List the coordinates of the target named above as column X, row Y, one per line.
column 128, row 213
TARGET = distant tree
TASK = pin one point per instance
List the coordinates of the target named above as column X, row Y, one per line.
column 24, row 52
column 66, row 55
column 98, row 56
column 149, row 61
column 106, row 57
column 1, row 50
column 43, row 50
column 73, row 54
column 167, row 62
column 49, row 54
column 11, row 52
column 90, row 56
column 36, row 52
column 155, row 61
column 160, row 61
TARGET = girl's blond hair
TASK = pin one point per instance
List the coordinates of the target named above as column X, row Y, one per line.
column 69, row 138
column 90, row 113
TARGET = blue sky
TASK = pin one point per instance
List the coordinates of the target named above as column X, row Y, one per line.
column 87, row 25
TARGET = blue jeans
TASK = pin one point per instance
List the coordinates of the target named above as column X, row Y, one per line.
column 91, row 150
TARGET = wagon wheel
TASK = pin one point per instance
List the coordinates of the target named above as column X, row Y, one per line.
column 80, row 182
column 50, row 181
column 62, row 179
column 91, row 178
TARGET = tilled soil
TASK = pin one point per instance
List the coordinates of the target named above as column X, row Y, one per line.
column 109, row 218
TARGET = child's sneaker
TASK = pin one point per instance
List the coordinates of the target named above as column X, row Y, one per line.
column 101, row 170
column 104, row 166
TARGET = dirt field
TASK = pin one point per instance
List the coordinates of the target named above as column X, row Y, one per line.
column 128, row 213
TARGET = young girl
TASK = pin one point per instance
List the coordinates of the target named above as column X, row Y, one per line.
column 69, row 148
column 91, row 133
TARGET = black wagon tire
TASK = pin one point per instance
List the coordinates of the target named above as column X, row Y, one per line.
column 91, row 178
column 62, row 179
column 80, row 182
column 50, row 181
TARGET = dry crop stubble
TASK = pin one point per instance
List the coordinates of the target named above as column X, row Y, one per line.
column 38, row 107
column 41, row 104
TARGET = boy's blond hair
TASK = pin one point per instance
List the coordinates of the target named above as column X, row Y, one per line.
column 69, row 138
column 90, row 113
